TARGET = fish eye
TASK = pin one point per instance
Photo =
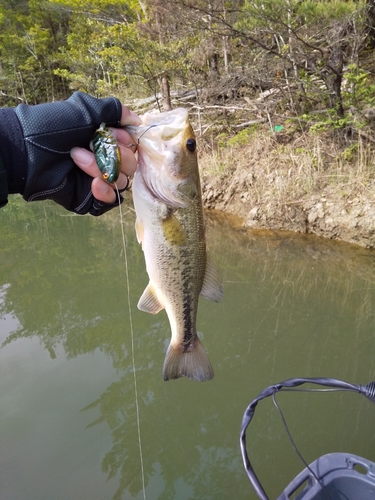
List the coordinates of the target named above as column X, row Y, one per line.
column 191, row 145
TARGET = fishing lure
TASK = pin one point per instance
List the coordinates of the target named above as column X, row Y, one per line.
column 107, row 153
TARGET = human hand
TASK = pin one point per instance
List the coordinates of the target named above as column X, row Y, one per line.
column 85, row 160
column 41, row 166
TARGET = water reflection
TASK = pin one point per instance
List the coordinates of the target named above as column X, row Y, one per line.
column 293, row 306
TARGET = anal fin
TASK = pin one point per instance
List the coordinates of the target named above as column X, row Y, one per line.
column 149, row 301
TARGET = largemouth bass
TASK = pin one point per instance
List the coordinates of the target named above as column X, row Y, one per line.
column 168, row 204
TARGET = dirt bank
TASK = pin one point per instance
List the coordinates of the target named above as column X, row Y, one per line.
column 313, row 189
column 350, row 220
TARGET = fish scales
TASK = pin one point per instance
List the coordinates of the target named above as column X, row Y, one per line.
column 168, row 204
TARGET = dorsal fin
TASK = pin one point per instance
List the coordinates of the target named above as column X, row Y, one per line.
column 212, row 288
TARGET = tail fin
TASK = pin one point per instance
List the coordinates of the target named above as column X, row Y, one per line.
column 193, row 364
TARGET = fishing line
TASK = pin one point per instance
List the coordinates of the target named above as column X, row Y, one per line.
column 294, row 444
column 132, row 346
column 143, row 133
column 147, row 129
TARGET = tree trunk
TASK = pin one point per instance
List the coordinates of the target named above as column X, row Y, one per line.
column 335, row 67
column 165, row 93
column 370, row 18
column 225, row 53
column 333, row 80
column 213, row 63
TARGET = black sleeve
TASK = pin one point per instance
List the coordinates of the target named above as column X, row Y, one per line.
column 12, row 152
column 35, row 144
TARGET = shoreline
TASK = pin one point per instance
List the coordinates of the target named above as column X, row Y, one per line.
column 329, row 214
column 310, row 184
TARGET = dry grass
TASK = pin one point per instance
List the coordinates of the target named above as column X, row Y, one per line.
column 278, row 168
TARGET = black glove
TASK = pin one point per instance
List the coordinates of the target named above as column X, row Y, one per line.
column 35, row 142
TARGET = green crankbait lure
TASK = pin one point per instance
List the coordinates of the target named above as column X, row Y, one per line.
column 107, row 153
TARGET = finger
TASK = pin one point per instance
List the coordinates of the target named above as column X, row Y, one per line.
column 123, row 137
column 102, row 191
column 129, row 117
column 128, row 160
column 85, row 160
column 122, row 182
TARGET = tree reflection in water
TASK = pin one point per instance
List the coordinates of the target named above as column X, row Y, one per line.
column 293, row 306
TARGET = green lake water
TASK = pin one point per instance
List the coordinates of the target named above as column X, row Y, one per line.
column 293, row 306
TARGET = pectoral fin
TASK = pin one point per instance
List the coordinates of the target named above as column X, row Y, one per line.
column 149, row 302
column 212, row 288
column 173, row 231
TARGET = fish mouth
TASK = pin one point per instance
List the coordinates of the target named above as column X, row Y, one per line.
column 162, row 126
column 141, row 133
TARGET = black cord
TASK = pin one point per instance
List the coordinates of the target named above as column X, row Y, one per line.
column 294, row 444
column 368, row 391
